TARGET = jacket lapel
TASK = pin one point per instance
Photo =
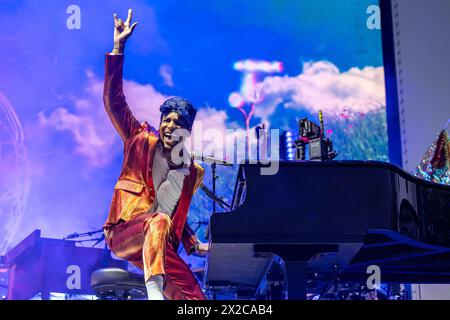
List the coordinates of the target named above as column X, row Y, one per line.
column 152, row 142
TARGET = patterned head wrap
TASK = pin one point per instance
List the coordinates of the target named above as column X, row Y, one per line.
column 183, row 107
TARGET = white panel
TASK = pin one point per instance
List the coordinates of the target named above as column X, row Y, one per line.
column 421, row 31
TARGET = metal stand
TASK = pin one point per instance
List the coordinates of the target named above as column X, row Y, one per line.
column 296, row 279
column 295, row 259
column 214, row 178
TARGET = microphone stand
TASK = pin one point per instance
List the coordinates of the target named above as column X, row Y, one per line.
column 77, row 235
column 215, row 198
column 214, row 178
column 212, row 194
column 80, row 235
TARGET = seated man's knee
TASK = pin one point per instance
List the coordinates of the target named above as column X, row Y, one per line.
column 161, row 221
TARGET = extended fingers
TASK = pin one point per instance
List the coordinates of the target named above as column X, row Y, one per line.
column 133, row 26
column 130, row 16
column 120, row 25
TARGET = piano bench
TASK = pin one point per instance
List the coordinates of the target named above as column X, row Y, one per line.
column 118, row 284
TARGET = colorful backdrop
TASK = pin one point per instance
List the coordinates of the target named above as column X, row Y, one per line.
column 60, row 156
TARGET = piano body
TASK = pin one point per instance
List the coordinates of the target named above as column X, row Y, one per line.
column 43, row 265
column 327, row 220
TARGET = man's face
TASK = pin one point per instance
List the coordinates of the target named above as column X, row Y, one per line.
column 168, row 125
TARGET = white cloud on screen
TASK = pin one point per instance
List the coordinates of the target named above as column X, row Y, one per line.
column 322, row 86
column 165, row 71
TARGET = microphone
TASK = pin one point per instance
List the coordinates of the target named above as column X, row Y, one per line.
column 72, row 236
column 79, row 235
column 215, row 198
column 210, row 159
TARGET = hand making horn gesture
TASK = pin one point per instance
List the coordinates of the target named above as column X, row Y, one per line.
column 122, row 31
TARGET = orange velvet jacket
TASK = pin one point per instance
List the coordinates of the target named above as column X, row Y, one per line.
column 134, row 192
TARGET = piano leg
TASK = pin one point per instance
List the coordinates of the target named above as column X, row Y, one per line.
column 295, row 273
column 295, row 257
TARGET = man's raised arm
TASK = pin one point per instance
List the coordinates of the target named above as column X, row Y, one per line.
column 113, row 96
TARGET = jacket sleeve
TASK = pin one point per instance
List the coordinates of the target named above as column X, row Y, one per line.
column 188, row 237
column 114, row 98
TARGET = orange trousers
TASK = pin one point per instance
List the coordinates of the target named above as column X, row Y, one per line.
column 146, row 242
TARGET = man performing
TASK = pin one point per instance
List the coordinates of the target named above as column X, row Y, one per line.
column 147, row 219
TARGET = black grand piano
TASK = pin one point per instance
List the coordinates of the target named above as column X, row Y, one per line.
column 328, row 220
